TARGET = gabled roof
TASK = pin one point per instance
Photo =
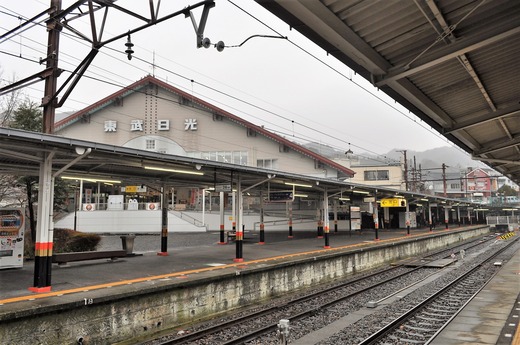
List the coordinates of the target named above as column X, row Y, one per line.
column 135, row 87
column 477, row 170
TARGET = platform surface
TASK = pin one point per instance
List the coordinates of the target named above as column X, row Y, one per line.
column 192, row 254
column 493, row 316
column 186, row 252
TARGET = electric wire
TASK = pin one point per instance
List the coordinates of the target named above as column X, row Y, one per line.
column 252, row 105
column 280, row 116
column 349, row 79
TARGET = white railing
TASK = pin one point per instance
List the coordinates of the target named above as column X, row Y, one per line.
column 188, row 218
column 493, row 220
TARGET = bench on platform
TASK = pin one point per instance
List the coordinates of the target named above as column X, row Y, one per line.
column 64, row 258
column 231, row 236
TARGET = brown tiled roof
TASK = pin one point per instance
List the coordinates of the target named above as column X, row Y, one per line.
column 152, row 80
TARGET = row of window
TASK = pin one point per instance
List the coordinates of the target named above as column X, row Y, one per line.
column 377, row 175
column 234, row 157
column 267, row 163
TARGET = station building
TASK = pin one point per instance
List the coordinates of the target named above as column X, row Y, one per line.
column 155, row 116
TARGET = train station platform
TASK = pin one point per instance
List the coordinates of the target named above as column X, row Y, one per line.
column 187, row 254
column 191, row 256
column 493, row 316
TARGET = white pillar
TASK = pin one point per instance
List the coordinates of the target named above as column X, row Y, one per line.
column 203, row 206
column 233, row 208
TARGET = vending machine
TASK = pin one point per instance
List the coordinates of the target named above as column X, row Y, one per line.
column 12, row 226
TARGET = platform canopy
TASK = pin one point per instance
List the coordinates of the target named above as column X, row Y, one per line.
column 453, row 63
column 22, row 154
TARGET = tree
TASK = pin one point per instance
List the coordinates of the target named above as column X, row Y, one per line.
column 8, row 104
column 507, row 191
column 28, row 116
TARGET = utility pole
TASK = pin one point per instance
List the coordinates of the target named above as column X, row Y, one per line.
column 444, row 178
column 414, row 188
column 420, row 178
column 405, row 170
column 51, row 80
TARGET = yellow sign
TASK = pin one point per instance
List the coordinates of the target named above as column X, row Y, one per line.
column 393, row 202
column 131, row 189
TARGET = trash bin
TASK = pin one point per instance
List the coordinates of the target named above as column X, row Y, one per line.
column 128, row 243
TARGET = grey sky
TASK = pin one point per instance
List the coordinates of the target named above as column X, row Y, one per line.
column 277, row 81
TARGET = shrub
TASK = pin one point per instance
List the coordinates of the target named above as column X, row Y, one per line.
column 65, row 241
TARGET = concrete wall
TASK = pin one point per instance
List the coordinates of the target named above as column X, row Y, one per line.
column 126, row 222
column 141, row 309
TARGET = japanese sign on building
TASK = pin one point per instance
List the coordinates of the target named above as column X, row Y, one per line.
column 393, row 202
column 137, row 125
column 190, row 124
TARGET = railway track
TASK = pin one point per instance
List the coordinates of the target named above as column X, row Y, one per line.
column 420, row 324
column 419, row 317
column 260, row 326
column 251, row 326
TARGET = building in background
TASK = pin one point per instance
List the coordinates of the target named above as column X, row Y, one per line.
column 155, row 116
column 377, row 172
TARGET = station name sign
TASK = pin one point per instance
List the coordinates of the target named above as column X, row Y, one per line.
column 134, row 189
column 393, row 202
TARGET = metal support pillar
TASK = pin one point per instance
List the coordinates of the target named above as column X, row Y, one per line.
column 233, row 210
column 262, row 232
column 335, row 215
column 203, row 206
column 430, row 216
column 319, row 215
column 458, row 214
column 407, row 219
column 43, row 243
column 164, row 222
column 446, row 217
column 221, row 198
column 376, row 219
column 289, row 205
column 326, row 219
column 239, row 231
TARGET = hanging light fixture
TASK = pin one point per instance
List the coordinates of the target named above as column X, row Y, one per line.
column 349, row 151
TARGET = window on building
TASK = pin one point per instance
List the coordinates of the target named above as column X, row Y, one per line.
column 377, row 175
column 240, row 157
column 455, row 186
column 267, row 163
column 235, row 157
column 150, row 144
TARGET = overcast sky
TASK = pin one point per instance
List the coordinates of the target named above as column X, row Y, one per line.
column 272, row 82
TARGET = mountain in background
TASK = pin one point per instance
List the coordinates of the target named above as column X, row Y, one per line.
column 454, row 158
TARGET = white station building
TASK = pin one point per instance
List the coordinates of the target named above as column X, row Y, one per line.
column 155, row 116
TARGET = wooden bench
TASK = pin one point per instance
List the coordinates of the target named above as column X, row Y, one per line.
column 64, row 258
